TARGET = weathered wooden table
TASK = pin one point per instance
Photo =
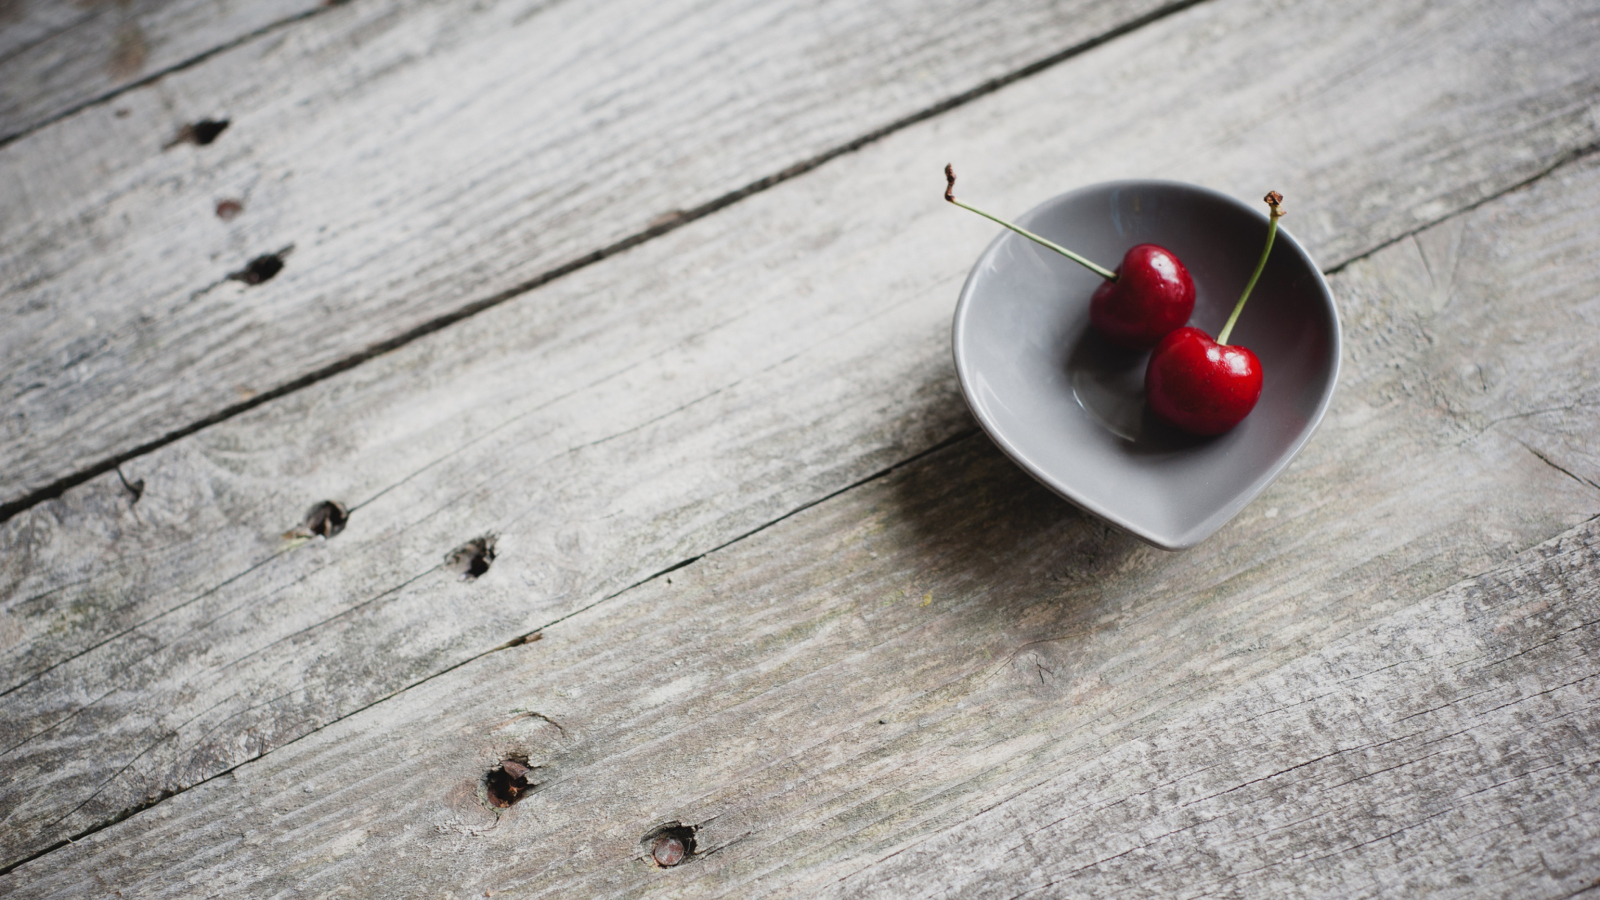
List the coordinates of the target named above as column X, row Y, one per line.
column 639, row 311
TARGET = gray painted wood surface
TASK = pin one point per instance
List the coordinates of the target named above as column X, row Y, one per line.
column 618, row 424
column 1448, row 751
column 420, row 159
column 965, row 688
column 326, row 709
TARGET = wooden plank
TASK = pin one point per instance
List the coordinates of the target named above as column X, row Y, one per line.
column 421, row 159
column 965, row 688
column 792, row 361
column 1445, row 751
column 58, row 57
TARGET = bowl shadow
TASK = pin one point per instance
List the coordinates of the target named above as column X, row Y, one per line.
column 1029, row 583
column 977, row 518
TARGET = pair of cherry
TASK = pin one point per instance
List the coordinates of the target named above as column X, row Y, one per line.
column 1200, row 385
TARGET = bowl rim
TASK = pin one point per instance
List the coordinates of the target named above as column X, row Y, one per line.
column 1213, row 522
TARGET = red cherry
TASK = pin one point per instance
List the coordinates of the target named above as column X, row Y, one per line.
column 1205, row 386
column 1200, row 385
column 1152, row 295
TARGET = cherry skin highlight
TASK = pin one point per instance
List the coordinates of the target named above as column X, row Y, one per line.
column 1199, row 385
column 1152, row 295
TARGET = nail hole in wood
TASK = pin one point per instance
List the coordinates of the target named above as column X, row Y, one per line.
column 472, row 559
column 260, row 269
column 671, row 844
column 323, row 520
column 229, row 209
column 205, row 131
column 202, row 132
column 509, row 782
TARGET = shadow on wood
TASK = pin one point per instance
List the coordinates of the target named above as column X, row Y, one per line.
column 1037, row 563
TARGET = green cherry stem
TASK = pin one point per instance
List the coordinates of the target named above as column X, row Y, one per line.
column 950, row 194
column 1273, row 199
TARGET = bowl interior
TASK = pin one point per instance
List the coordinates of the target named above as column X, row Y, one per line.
column 1069, row 408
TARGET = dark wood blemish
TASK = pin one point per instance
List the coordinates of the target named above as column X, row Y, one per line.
column 262, row 268
column 472, row 559
column 324, row 520
column 200, row 133
column 228, row 209
column 128, row 51
column 205, row 131
column 509, row 782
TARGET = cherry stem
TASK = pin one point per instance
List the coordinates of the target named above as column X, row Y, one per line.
column 1273, row 200
column 950, row 194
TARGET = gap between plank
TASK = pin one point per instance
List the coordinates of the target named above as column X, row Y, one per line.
column 1567, row 159
column 1571, row 156
column 445, row 320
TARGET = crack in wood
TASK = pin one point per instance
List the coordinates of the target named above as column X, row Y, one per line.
column 1558, row 467
column 140, row 624
column 1565, row 159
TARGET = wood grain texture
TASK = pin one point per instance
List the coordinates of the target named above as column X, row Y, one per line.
column 963, row 687
column 1448, row 751
column 56, row 57
column 776, row 360
column 419, row 158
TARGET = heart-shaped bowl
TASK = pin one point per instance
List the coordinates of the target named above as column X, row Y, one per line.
column 1069, row 408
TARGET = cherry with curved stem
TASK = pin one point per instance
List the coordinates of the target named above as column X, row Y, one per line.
column 1146, row 297
column 1203, row 386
